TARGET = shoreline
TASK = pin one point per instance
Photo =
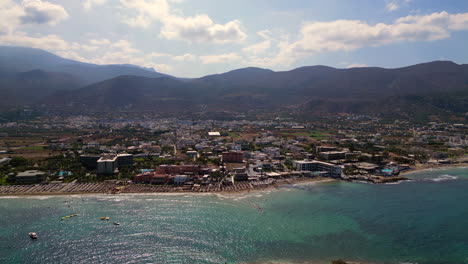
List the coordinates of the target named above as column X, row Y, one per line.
column 142, row 189
column 424, row 167
column 109, row 189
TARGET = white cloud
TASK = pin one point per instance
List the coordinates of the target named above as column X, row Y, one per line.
column 392, row 6
column 201, row 28
column 10, row 14
column 100, row 42
column 124, row 46
column 13, row 15
column 101, row 51
column 52, row 43
column 122, row 57
column 198, row 28
column 87, row 48
column 442, row 20
column 41, row 42
column 260, row 47
column 221, row 58
column 185, row 57
column 123, row 52
column 347, row 35
column 147, row 11
column 72, row 55
column 162, row 68
column 89, row 4
column 357, row 65
column 159, row 55
column 42, row 12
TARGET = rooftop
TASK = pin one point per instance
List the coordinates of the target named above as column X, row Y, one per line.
column 4, row 160
column 107, row 159
column 214, row 134
column 30, row 173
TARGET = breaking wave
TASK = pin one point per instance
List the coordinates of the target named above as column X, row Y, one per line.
column 445, row 177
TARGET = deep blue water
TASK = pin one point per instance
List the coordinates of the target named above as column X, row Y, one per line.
column 420, row 221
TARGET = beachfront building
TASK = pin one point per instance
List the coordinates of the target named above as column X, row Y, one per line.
column 181, row 169
column 110, row 164
column 107, row 165
column 180, row 179
column 151, row 178
column 240, row 174
column 318, row 166
column 30, row 177
column 177, row 174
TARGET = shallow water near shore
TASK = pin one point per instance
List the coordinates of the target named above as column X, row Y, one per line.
column 417, row 221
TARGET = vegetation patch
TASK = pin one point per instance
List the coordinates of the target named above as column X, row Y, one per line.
column 317, row 135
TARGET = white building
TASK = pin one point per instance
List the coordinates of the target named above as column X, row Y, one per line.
column 317, row 166
column 107, row 165
column 214, row 134
column 180, row 179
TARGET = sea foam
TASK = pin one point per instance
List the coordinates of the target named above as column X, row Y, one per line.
column 445, row 177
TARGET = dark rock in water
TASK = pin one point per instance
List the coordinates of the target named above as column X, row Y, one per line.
column 339, row 261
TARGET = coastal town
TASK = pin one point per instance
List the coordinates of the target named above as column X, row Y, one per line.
column 89, row 154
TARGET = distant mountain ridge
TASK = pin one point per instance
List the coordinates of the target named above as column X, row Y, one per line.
column 307, row 89
column 21, row 59
column 35, row 77
column 28, row 74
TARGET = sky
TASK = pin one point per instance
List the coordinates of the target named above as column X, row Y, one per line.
column 194, row 38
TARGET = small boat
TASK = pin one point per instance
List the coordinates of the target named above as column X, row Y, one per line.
column 116, row 223
column 33, row 235
column 68, row 216
column 104, row 218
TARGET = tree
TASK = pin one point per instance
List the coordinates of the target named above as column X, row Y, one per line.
column 217, row 176
column 19, row 162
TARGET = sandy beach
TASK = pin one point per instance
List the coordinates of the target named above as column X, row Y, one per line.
column 110, row 188
column 423, row 167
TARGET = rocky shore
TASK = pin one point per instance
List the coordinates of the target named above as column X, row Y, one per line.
column 374, row 179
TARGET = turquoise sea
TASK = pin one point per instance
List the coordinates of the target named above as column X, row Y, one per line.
column 420, row 221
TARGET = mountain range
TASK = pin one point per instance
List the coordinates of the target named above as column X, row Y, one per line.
column 35, row 77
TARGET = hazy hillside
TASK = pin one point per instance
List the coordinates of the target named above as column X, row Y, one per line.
column 128, row 92
column 25, row 88
column 21, row 59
